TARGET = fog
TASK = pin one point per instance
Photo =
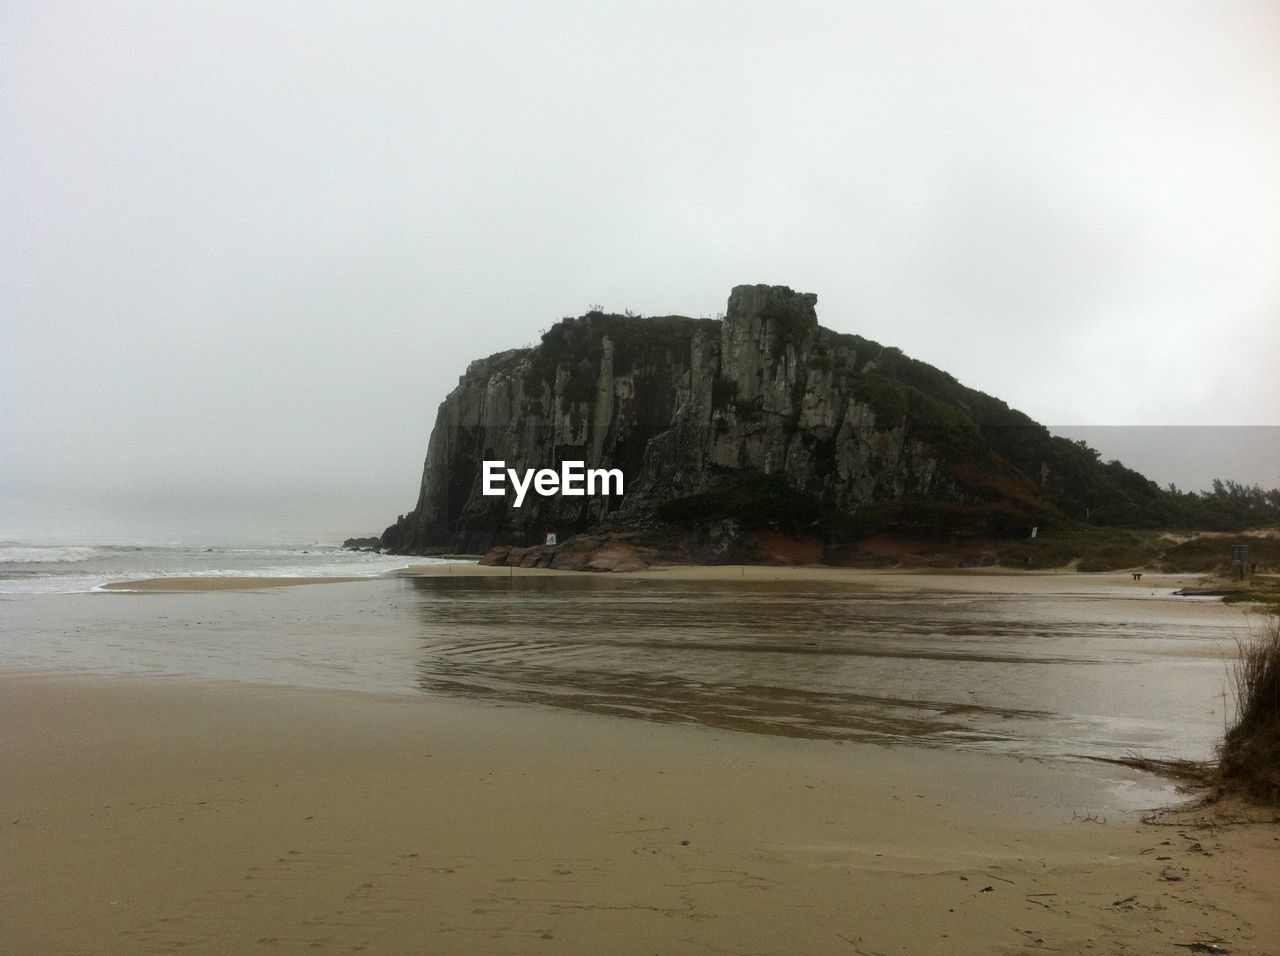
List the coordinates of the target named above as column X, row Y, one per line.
column 247, row 249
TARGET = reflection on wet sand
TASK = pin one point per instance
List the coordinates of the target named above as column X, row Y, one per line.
column 1008, row 672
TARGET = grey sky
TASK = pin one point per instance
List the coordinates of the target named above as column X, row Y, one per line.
column 246, row 249
column 1190, row 457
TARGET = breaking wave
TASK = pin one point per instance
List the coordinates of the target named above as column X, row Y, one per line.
column 34, row 555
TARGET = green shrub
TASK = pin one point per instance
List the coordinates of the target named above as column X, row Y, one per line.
column 965, row 519
column 790, row 324
column 751, row 498
column 886, row 397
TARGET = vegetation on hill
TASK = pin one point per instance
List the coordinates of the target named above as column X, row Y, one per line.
column 1207, row 555
column 749, row 498
column 578, row 344
column 1076, row 482
column 1013, row 473
column 1092, row 549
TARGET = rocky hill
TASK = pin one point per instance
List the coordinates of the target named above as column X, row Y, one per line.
column 763, row 421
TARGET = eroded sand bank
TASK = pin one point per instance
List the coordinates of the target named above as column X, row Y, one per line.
column 171, row 815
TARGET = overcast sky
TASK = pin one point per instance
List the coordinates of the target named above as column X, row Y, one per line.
column 246, row 249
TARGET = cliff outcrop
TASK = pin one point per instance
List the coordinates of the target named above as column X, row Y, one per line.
column 761, row 420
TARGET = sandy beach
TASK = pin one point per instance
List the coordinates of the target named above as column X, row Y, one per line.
column 253, row 789
column 988, row 580
column 165, row 816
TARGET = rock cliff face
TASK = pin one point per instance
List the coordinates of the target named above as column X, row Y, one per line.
column 682, row 405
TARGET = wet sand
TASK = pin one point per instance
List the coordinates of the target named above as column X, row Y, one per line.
column 166, row 815
column 211, row 583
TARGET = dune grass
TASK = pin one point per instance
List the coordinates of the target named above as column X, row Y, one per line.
column 1249, row 760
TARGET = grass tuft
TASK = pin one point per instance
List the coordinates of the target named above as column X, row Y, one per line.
column 1249, row 761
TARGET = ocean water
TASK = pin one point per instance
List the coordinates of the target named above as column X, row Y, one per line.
column 31, row 568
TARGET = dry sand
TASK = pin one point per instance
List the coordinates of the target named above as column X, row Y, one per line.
column 165, row 816
column 992, row 580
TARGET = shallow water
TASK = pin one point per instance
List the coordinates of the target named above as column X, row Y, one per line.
column 1045, row 676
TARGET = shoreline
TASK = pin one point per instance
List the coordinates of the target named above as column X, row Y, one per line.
column 158, row 814
column 213, row 582
column 979, row 580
